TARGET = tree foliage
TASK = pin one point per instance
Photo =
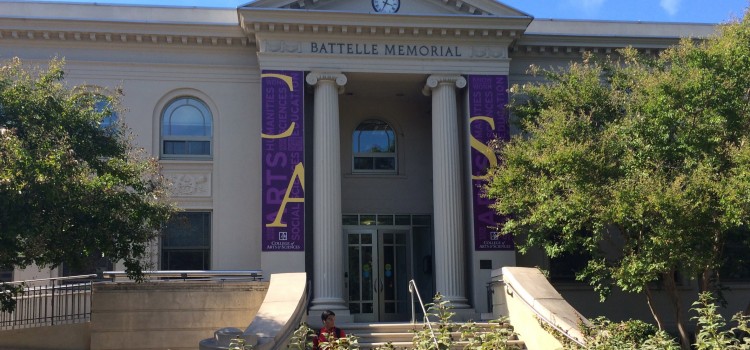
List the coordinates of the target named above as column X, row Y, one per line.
column 644, row 163
column 71, row 189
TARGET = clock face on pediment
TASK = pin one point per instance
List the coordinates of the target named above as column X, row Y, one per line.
column 410, row 7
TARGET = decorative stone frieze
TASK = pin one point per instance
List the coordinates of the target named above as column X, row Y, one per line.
column 189, row 184
column 489, row 52
column 109, row 38
column 281, row 46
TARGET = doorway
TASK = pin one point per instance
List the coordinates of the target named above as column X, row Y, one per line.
column 377, row 273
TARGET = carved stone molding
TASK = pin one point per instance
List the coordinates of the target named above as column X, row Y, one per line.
column 338, row 79
column 281, row 46
column 112, row 37
column 189, row 184
column 435, row 80
column 489, row 52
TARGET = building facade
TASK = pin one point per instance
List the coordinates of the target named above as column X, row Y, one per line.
column 346, row 139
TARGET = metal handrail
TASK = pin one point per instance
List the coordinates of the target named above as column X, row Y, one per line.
column 79, row 277
column 413, row 289
column 184, row 274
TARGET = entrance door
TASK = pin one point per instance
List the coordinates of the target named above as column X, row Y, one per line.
column 378, row 273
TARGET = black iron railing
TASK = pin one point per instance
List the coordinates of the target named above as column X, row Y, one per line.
column 63, row 300
column 51, row 301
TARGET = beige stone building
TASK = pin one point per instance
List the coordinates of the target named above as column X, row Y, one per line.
column 340, row 138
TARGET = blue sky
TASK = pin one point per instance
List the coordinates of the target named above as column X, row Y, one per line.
column 703, row 11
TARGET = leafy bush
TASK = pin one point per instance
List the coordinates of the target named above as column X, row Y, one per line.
column 712, row 334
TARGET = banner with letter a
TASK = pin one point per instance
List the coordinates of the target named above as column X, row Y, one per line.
column 283, row 168
column 488, row 120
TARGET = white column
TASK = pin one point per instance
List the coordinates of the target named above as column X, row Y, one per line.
column 327, row 233
column 446, row 189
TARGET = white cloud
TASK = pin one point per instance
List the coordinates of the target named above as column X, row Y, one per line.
column 671, row 6
column 588, row 6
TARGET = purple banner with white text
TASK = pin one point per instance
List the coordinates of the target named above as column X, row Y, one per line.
column 488, row 120
column 283, row 161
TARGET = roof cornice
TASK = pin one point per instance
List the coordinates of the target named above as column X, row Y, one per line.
column 258, row 20
column 122, row 32
column 40, row 21
column 467, row 7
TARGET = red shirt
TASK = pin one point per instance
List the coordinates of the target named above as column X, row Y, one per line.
column 324, row 335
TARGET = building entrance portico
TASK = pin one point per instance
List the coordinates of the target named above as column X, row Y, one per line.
column 369, row 71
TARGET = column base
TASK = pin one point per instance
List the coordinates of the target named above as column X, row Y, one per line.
column 465, row 315
column 333, row 304
column 342, row 314
column 457, row 302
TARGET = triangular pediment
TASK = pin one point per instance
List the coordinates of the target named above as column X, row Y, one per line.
column 408, row 7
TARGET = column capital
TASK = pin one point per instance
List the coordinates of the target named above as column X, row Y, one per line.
column 337, row 78
column 435, row 80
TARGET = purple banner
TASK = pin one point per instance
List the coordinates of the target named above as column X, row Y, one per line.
column 283, row 161
column 488, row 120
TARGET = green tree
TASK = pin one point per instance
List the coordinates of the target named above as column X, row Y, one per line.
column 643, row 163
column 70, row 189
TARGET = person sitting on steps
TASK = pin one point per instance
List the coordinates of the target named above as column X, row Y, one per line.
column 329, row 332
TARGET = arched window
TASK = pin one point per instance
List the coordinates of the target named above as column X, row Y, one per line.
column 374, row 148
column 186, row 129
column 109, row 121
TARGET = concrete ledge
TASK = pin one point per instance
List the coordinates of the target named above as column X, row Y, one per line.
column 533, row 301
column 59, row 337
column 280, row 313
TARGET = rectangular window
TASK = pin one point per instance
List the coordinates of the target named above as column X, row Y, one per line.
column 735, row 265
column 565, row 267
column 186, row 242
column 6, row 275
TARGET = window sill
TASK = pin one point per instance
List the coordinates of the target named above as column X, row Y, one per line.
column 186, row 160
column 374, row 176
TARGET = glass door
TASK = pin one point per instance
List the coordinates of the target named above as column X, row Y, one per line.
column 360, row 280
column 394, row 273
column 377, row 274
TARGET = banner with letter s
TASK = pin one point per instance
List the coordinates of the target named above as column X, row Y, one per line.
column 488, row 120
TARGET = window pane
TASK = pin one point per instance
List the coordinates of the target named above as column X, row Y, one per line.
column 6, row 275
column 403, row 219
column 186, row 117
column 367, row 308
column 353, row 238
column 350, row 220
column 422, row 220
column 363, row 163
column 367, row 220
column 175, row 147
column 185, row 260
column 199, row 147
column 374, row 136
column 385, row 219
column 110, row 119
column 385, row 163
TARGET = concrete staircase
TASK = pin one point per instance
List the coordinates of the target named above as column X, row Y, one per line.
column 400, row 335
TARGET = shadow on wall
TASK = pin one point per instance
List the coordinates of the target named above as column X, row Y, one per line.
column 281, row 311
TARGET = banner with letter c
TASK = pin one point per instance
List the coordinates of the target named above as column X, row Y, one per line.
column 488, row 120
column 283, row 170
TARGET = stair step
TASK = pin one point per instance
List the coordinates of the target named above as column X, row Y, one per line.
column 400, row 335
column 515, row 344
